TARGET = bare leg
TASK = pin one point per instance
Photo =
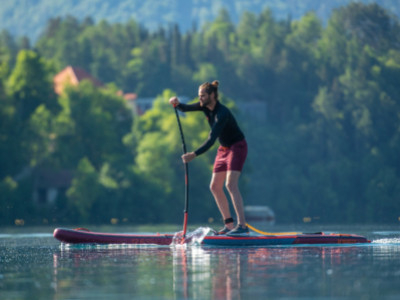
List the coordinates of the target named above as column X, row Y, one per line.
column 232, row 185
column 217, row 189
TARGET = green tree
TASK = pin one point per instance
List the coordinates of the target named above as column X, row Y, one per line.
column 85, row 191
column 30, row 84
column 60, row 41
column 92, row 124
column 8, row 50
column 9, row 141
column 26, row 113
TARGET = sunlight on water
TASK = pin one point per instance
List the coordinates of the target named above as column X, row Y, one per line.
column 192, row 238
column 25, row 235
column 388, row 237
column 68, row 247
column 387, row 241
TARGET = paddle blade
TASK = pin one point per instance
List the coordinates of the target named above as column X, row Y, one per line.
column 180, row 239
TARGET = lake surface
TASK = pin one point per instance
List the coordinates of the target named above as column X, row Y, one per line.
column 33, row 265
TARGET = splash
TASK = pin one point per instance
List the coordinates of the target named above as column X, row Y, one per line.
column 387, row 241
column 191, row 238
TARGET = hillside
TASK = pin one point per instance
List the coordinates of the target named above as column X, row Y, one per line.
column 29, row 17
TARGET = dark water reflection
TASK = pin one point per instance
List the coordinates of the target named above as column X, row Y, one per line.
column 36, row 267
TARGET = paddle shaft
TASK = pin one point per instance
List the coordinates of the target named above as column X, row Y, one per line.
column 185, row 211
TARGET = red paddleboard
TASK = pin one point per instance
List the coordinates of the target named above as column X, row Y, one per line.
column 79, row 236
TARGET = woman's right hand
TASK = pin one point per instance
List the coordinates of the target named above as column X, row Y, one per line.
column 174, row 101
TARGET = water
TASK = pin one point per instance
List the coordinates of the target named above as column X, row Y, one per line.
column 35, row 266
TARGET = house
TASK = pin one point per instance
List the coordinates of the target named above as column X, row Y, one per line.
column 50, row 185
column 259, row 213
column 138, row 105
column 72, row 76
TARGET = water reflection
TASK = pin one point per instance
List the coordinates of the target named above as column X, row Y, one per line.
column 242, row 273
column 38, row 268
column 215, row 273
column 116, row 272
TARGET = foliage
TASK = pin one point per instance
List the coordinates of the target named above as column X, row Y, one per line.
column 30, row 18
column 326, row 148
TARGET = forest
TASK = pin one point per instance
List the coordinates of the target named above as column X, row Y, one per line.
column 27, row 17
column 326, row 151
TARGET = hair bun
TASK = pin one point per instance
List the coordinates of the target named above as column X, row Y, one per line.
column 215, row 83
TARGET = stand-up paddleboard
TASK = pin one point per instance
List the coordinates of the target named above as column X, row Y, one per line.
column 79, row 236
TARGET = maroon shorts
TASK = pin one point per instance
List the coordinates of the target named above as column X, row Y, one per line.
column 231, row 158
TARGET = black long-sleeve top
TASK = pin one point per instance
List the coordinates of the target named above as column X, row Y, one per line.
column 223, row 125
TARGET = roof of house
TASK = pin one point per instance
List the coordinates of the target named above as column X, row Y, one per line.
column 73, row 76
column 130, row 96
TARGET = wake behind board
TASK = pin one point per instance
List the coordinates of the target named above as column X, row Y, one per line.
column 76, row 236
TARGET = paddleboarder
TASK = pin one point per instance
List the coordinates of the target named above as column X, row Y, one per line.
column 230, row 158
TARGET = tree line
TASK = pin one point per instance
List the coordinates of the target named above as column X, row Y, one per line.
column 30, row 18
column 328, row 149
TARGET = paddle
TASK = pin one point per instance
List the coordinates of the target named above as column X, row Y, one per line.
column 185, row 211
